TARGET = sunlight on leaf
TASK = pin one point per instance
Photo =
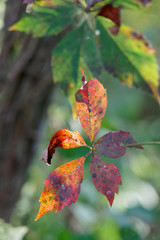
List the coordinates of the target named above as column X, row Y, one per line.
column 62, row 187
column 65, row 139
column 91, row 103
column 130, row 57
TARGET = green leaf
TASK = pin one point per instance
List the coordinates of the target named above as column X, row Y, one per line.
column 130, row 4
column 45, row 21
column 129, row 56
column 76, row 50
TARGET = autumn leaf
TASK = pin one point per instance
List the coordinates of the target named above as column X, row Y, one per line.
column 65, row 139
column 112, row 144
column 91, row 101
column 62, row 187
column 105, row 177
column 112, row 13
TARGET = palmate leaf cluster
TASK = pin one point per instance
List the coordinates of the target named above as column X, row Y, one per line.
column 62, row 187
column 96, row 40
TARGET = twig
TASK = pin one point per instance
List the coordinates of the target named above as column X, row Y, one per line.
column 142, row 143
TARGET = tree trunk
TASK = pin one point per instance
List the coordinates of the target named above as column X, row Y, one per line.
column 25, row 89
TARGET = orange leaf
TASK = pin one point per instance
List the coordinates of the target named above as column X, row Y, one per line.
column 62, row 187
column 65, row 139
column 91, row 101
column 105, row 177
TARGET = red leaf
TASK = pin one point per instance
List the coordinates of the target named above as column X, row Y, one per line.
column 113, row 13
column 91, row 101
column 105, row 177
column 62, row 187
column 65, row 139
column 110, row 145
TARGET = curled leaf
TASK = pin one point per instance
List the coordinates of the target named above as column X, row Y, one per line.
column 65, row 139
column 62, row 187
column 91, row 101
column 112, row 144
column 105, row 177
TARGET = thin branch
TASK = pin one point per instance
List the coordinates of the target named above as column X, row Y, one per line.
column 142, row 143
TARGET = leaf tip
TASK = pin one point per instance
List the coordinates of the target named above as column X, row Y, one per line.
column 37, row 217
column 83, row 76
column 45, row 157
column 110, row 199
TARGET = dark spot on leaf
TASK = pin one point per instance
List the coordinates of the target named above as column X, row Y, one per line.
column 60, row 198
column 94, row 175
column 101, row 111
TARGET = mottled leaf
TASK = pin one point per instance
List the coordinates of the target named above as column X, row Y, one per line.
column 105, row 177
column 130, row 57
column 91, row 101
column 112, row 13
column 65, row 139
column 45, row 21
column 112, row 144
column 62, row 187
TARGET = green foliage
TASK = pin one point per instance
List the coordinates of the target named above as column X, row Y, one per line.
column 129, row 57
column 45, row 21
column 91, row 44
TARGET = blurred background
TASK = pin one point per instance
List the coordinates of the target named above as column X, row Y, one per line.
column 135, row 214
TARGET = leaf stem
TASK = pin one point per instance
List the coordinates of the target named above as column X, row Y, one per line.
column 89, row 147
column 142, row 143
column 87, row 154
